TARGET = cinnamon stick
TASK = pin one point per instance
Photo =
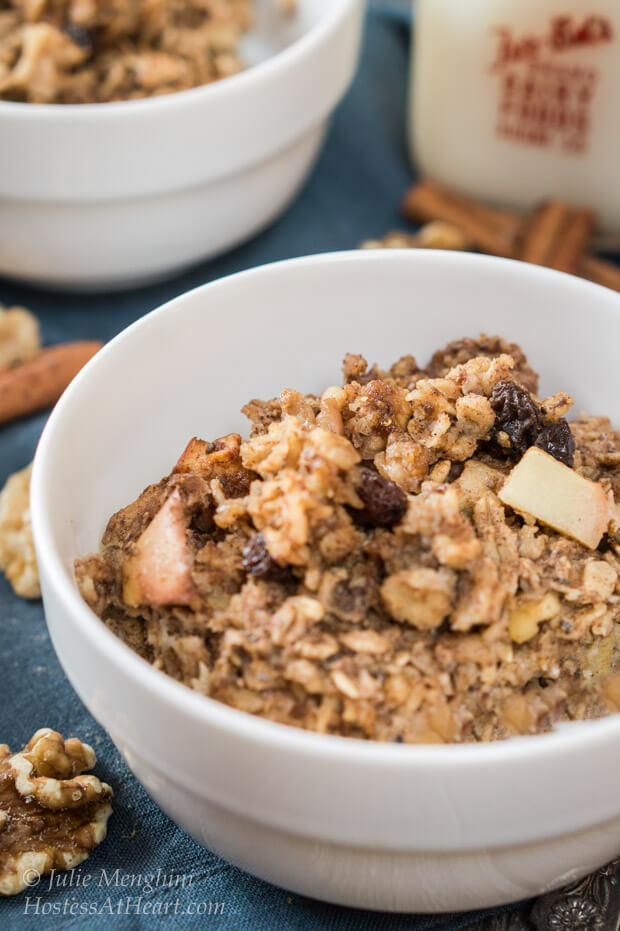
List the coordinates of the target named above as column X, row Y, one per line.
column 574, row 242
column 490, row 230
column 34, row 385
column 556, row 236
column 541, row 231
column 601, row 272
column 503, row 233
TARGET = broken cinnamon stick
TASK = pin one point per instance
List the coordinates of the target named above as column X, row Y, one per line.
column 34, row 385
column 601, row 272
column 556, row 236
column 490, row 230
column 502, row 233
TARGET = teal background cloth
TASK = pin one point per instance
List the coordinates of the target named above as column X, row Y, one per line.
column 353, row 195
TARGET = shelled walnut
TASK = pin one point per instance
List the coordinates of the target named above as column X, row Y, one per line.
column 20, row 337
column 51, row 817
column 17, row 557
column 435, row 235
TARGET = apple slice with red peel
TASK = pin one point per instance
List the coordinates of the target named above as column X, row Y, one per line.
column 158, row 572
column 558, row 496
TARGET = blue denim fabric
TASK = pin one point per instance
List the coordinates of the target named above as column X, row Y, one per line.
column 353, row 195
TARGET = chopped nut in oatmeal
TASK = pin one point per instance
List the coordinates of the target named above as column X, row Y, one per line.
column 51, row 816
column 378, row 561
column 17, row 557
column 67, row 51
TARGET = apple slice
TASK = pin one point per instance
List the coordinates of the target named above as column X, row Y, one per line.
column 158, row 572
column 558, row 496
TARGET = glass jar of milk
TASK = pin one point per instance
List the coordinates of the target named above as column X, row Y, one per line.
column 517, row 101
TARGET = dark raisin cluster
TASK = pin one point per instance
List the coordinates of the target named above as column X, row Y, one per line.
column 384, row 503
column 258, row 561
column 557, row 440
column 518, row 416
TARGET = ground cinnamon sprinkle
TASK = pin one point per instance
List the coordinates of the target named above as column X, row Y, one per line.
column 352, row 568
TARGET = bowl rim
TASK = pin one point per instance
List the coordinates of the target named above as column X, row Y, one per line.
column 299, row 50
column 208, row 712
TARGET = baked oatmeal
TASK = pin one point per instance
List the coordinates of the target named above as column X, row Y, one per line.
column 94, row 51
column 378, row 561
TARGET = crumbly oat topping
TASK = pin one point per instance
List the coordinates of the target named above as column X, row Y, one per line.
column 93, row 51
column 51, row 816
column 17, row 556
column 351, row 568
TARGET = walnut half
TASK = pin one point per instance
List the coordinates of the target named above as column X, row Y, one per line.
column 20, row 337
column 17, row 556
column 51, row 817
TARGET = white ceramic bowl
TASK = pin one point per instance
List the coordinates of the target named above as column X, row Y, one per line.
column 420, row 828
column 112, row 195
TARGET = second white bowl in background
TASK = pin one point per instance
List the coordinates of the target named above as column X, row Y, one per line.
column 116, row 194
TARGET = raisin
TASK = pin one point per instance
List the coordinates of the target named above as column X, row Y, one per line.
column 516, row 415
column 384, row 502
column 557, row 440
column 202, row 521
column 81, row 36
column 258, row 561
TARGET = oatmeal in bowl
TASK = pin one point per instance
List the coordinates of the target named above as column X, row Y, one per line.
column 315, row 684
column 422, row 554
column 88, row 51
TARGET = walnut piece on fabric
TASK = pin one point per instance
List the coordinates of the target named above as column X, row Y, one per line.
column 20, row 336
column 434, row 235
column 351, row 569
column 17, row 556
column 51, row 815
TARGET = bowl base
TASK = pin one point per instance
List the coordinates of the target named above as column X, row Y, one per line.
column 383, row 880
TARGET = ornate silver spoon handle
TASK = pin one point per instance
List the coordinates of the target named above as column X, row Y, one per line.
column 591, row 904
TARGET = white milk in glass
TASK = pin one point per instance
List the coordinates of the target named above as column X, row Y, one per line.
column 516, row 101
